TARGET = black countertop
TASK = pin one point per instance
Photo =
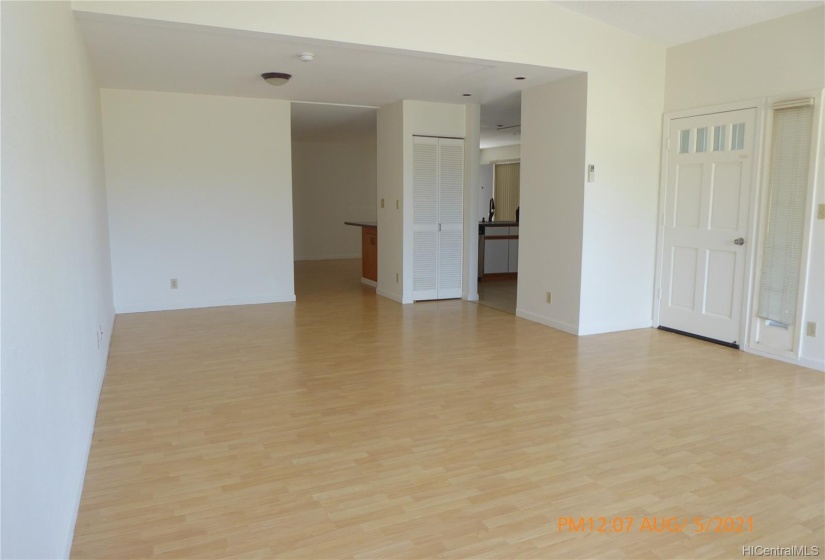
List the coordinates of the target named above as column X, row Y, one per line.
column 362, row 224
column 501, row 224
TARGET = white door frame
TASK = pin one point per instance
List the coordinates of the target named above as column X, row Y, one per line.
column 753, row 217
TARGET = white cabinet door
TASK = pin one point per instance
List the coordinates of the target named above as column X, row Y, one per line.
column 450, row 216
column 512, row 257
column 425, row 218
column 496, row 255
column 438, row 217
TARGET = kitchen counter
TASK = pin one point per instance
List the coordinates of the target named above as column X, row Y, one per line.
column 497, row 250
column 362, row 224
column 500, row 224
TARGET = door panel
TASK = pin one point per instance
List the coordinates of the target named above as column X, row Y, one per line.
column 450, row 216
column 688, row 196
column 683, row 278
column 425, row 218
column 708, row 186
column 726, row 192
column 721, row 270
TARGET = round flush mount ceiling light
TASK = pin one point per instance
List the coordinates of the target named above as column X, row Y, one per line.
column 306, row 56
column 276, row 78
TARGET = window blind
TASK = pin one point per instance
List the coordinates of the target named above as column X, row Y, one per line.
column 507, row 191
column 786, row 200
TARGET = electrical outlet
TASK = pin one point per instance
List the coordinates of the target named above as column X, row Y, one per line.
column 174, row 283
column 397, row 205
column 820, row 213
column 382, row 203
column 549, row 297
column 396, row 278
column 811, row 329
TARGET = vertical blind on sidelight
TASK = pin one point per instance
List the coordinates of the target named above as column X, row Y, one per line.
column 786, row 200
column 507, row 191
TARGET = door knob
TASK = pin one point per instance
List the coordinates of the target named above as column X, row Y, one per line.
column 739, row 241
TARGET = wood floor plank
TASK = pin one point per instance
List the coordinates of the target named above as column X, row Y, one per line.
column 348, row 426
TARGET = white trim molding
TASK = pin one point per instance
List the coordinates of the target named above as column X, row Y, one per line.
column 146, row 307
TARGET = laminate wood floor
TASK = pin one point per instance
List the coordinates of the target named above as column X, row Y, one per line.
column 348, row 426
column 498, row 294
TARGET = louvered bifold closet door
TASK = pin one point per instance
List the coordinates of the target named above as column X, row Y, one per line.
column 450, row 216
column 425, row 218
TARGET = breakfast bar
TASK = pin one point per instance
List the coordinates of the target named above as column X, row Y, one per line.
column 369, row 251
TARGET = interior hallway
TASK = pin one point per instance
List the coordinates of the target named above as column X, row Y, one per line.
column 347, row 425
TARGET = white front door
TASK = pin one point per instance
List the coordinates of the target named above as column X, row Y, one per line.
column 709, row 179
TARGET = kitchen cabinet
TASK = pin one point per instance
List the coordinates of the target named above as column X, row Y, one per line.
column 369, row 253
column 498, row 249
column 496, row 255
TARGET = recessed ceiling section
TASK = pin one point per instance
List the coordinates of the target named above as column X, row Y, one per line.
column 138, row 54
column 314, row 122
column 682, row 21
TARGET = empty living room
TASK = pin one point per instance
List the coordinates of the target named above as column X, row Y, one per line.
column 201, row 357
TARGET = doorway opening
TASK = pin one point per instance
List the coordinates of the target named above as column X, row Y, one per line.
column 498, row 252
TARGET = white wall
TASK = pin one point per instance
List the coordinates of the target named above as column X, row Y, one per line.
column 621, row 204
column 425, row 119
column 552, row 202
column 397, row 124
column 500, row 153
column 472, row 181
column 199, row 189
column 56, row 282
column 771, row 58
column 624, row 107
column 390, row 134
column 777, row 58
column 332, row 182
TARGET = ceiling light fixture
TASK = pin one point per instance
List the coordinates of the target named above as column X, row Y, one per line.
column 276, row 78
column 306, row 56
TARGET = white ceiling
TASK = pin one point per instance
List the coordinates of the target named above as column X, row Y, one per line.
column 157, row 56
column 672, row 23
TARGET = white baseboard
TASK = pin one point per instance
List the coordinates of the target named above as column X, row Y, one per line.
column 369, row 282
column 472, row 297
column 547, row 322
column 170, row 306
column 817, row 365
column 615, row 327
column 330, row 257
column 389, row 295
